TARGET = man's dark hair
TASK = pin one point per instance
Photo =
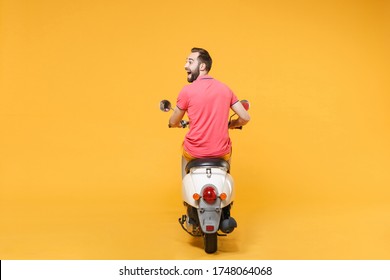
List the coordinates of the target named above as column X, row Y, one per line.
column 204, row 57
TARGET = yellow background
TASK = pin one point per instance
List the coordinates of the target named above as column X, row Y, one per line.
column 89, row 169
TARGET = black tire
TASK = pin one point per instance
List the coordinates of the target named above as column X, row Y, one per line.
column 210, row 243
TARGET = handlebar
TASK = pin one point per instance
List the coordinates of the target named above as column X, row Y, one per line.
column 238, row 127
column 166, row 106
column 184, row 123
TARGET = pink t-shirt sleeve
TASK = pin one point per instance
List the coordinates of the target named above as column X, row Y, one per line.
column 182, row 100
column 234, row 99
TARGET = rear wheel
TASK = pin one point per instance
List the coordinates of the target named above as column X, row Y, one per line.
column 210, row 243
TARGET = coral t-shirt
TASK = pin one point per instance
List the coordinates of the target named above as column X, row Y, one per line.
column 207, row 102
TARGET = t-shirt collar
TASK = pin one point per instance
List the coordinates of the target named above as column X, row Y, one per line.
column 204, row 77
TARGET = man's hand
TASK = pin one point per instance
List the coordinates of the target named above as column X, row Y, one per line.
column 243, row 116
column 177, row 116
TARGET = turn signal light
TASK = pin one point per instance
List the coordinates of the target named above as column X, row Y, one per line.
column 223, row 196
column 196, row 196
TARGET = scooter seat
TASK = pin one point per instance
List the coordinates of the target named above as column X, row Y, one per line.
column 207, row 162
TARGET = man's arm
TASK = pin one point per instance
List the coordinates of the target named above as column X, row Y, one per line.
column 176, row 117
column 243, row 116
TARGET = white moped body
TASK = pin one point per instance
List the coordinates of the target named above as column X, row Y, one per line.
column 198, row 177
column 208, row 194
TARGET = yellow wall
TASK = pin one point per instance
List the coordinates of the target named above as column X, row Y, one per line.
column 89, row 169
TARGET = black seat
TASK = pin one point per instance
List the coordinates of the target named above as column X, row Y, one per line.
column 207, row 162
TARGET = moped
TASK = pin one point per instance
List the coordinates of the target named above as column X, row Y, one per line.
column 208, row 195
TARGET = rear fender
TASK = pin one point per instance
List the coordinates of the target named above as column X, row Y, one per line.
column 209, row 216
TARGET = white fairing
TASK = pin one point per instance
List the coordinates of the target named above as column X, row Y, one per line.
column 198, row 177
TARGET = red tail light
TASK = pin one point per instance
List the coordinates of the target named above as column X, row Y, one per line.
column 209, row 194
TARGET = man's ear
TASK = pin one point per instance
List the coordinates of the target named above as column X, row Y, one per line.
column 202, row 66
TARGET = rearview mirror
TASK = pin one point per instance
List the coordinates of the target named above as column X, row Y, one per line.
column 165, row 105
column 245, row 103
